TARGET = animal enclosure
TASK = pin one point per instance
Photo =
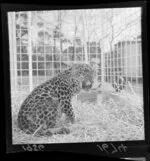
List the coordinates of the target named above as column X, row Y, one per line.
column 44, row 43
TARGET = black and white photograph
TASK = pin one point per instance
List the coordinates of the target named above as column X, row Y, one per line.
column 76, row 75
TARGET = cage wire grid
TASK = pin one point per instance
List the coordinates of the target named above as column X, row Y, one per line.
column 44, row 43
column 40, row 49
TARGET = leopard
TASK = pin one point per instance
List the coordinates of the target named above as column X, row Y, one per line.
column 42, row 109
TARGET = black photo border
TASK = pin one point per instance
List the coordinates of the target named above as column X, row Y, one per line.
column 134, row 148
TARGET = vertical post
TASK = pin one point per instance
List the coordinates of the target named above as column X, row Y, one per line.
column 59, row 23
column 30, row 51
column 12, row 49
column 136, row 64
column 122, row 59
column 102, row 47
column 75, row 55
column 117, row 61
column 85, row 37
column 44, row 51
column 130, row 63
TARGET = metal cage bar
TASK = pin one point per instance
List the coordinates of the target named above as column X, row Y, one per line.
column 30, row 51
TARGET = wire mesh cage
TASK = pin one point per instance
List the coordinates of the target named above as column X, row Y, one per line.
column 42, row 43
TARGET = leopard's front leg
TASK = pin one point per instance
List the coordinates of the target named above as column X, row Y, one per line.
column 65, row 94
column 68, row 110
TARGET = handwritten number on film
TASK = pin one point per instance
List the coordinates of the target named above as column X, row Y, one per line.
column 33, row 147
column 111, row 149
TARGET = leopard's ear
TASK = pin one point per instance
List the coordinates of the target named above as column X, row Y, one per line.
column 75, row 70
column 93, row 64
column 69, row 66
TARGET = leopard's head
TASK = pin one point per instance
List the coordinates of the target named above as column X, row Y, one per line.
column 85, row 73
